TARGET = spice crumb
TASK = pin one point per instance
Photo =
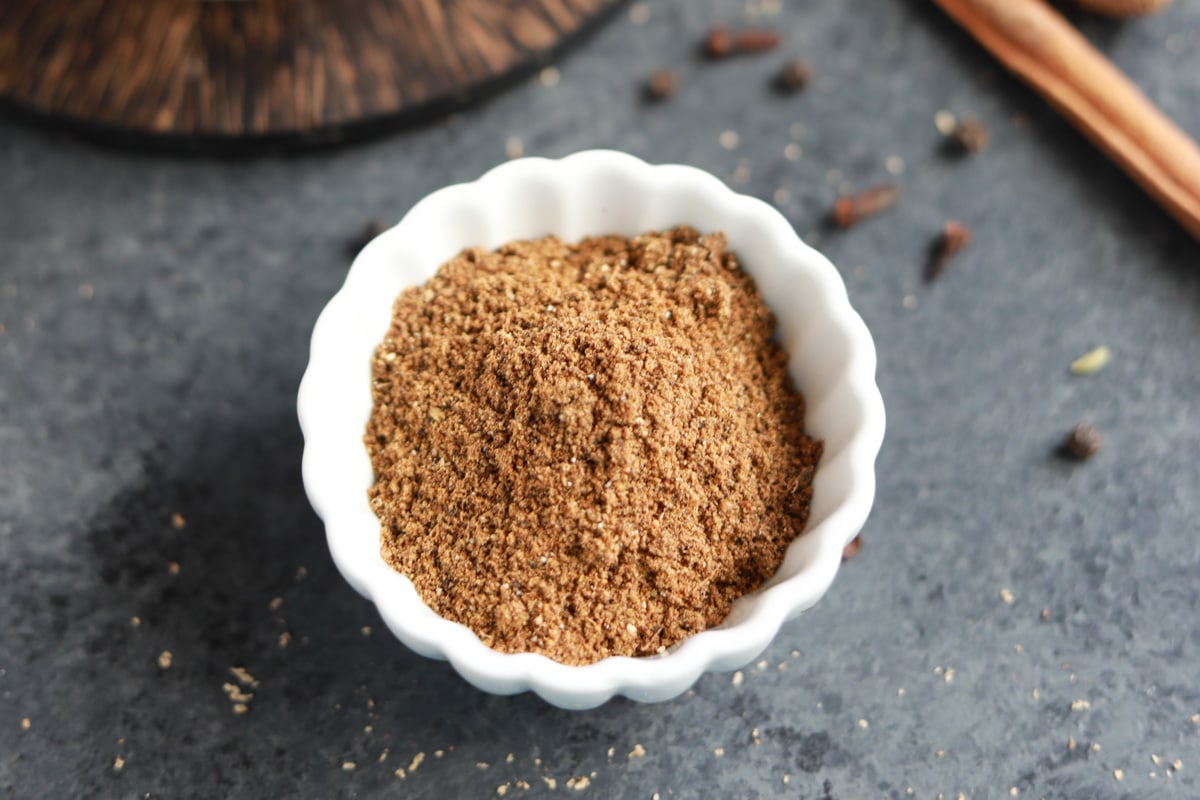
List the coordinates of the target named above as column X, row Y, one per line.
column 439, row 753
column 1092, row 361
column 637, row 752
column 164, row 659
column 862, row 723
column 1008, row 599
column 1080, row 705
column 1194, row 719
column 1035, row 694
column 508, row 759
column 502, row 789
column 1118, row 774
column 349, row 766
column 581, row 783
column 26, row 723
column 1095, row 747
column 400, row 773
column 1177, row 764
column 729, row 139
column 970, row 136
column 719, row 752
column 178, row 522
column 1070, row 742
column 1083, row 442
column 948, row 675
column 521, row 784
column 940, row 753
column 1045, row 613
column 173, row 567
column 787, row 778
column 285, row 639
column 416, row 762
column 240, row 708
column 551, row 783
column 276, row 603
column 737, row 679
column 118, row 764
column 794, row 76
column 1013, row 791
column 365, row 630
column 662, row 84
column 852, row 549
column 383, row 756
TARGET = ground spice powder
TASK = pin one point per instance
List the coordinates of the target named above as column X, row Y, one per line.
column 587, row 450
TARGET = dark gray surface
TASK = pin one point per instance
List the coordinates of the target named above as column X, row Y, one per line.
column 156, row 315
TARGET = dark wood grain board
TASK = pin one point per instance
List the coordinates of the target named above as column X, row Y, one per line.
column 192, row 70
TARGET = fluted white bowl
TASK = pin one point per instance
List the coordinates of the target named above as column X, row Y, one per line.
column 832, row 360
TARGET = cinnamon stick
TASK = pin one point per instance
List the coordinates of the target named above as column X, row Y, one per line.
column 1034, row 41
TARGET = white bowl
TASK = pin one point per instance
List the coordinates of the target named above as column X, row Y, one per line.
column 832, row 360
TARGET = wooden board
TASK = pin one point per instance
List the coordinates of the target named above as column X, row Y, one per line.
column 191, row 70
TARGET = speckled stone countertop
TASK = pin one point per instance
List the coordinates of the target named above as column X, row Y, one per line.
column 1015, row 624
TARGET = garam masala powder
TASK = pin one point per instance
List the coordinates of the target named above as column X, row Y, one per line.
column 585, row 450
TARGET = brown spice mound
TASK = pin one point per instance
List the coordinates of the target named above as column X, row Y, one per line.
column 587, row 450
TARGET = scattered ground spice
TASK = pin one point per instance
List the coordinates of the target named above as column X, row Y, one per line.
column 370, row 229
column 954, row 237
column 587, row 450
column 722, row 43
column 1008, row 598
column 416, row 762
column 26, row 724
column 349, row 766
column 969, row 136
column 737, row 678
column 662, row 84
column 794, row 76
column 164, row 659
column 551, row 784
column 118, row 764
column 1118, row 774
column 1080, row 705
column 1083, row 442
column 852, row 549
column 243, row 676
column 178, row 522
column 173, row 567
column 850, row 209
column 637, row 752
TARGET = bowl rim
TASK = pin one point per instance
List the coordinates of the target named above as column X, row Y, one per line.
column 650, row 678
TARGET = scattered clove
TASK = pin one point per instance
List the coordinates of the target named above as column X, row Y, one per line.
column 849, row 209
column 954, row 237
column 722, row 43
